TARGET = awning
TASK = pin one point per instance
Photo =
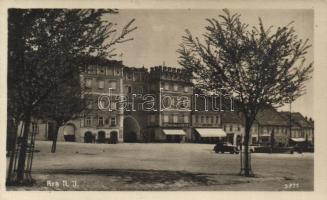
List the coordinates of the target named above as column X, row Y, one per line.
column 173, row 132
column 298, row 139
column 211, row 132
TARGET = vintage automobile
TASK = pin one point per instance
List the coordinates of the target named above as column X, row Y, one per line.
column 223, row 147
column 268, row 149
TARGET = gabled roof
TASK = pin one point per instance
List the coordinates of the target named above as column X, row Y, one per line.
column 270, row 117
column 297, row 119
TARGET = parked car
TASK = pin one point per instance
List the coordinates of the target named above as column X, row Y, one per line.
column 223, row 147
column 302, row 147
column 268, row 149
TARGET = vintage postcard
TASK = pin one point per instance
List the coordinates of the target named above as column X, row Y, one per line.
column 150, row 96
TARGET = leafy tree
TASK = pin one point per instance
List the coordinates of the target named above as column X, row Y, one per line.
column 258, row 66
column 64, row 104
column 44, row 51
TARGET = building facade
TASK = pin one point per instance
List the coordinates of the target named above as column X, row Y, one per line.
column 128, row 104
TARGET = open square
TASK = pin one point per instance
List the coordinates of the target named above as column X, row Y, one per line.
column 162, row 166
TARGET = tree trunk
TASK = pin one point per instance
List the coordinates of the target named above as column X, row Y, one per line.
column 54, row 140
column 12, row 148
column 246, row 168
column 22, row 153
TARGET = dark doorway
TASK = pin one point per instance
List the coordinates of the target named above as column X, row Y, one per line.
column 101, row 137
column 131, row 129
column 174, row 138
column 113, row 137
column 88, row 137
column 130, row 136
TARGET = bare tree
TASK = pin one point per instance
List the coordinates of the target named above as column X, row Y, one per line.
column 258, row 66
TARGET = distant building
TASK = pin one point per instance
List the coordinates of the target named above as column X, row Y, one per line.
column 206, row 120
column 233, row 125
column 171, row 119
column 302, row 129
column 270, row 128
column 161, row 105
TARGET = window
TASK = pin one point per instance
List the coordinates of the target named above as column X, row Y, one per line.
column 175, row 87
column 202, row 119
column 100, row 84
column 100, row 121
column 109, row 71
column 184, row 103
column 113, row 121
column 224, row 128
column 113, row 85
column 129, row 89
column 118, row 71
column 230, row 128
column 175, row 119
column 207, row 119
column 196, row 118
column 88, row 121
column 91, row 69
column 211, row 119
column 186, row 119
column 185, row 89
column 166, row 86
column 88, row 83
column 166, row 118
column 238, row 128
column 140, row 90
column 113, row 105
column 173, row 101
column 181, row 119
column 217, row 119
column 101, row 70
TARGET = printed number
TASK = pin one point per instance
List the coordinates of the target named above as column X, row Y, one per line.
column 291, row 186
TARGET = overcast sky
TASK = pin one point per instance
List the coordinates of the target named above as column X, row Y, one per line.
column 159, row 34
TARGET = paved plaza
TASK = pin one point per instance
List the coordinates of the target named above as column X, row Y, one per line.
column 162, row 166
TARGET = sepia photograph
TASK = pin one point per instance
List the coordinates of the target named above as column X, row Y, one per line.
column 120, row 99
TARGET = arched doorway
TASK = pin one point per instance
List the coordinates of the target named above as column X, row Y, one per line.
column 113, row 137
column 69, row 133
column 101, row 137
column 131, row 129
column 88, row 137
